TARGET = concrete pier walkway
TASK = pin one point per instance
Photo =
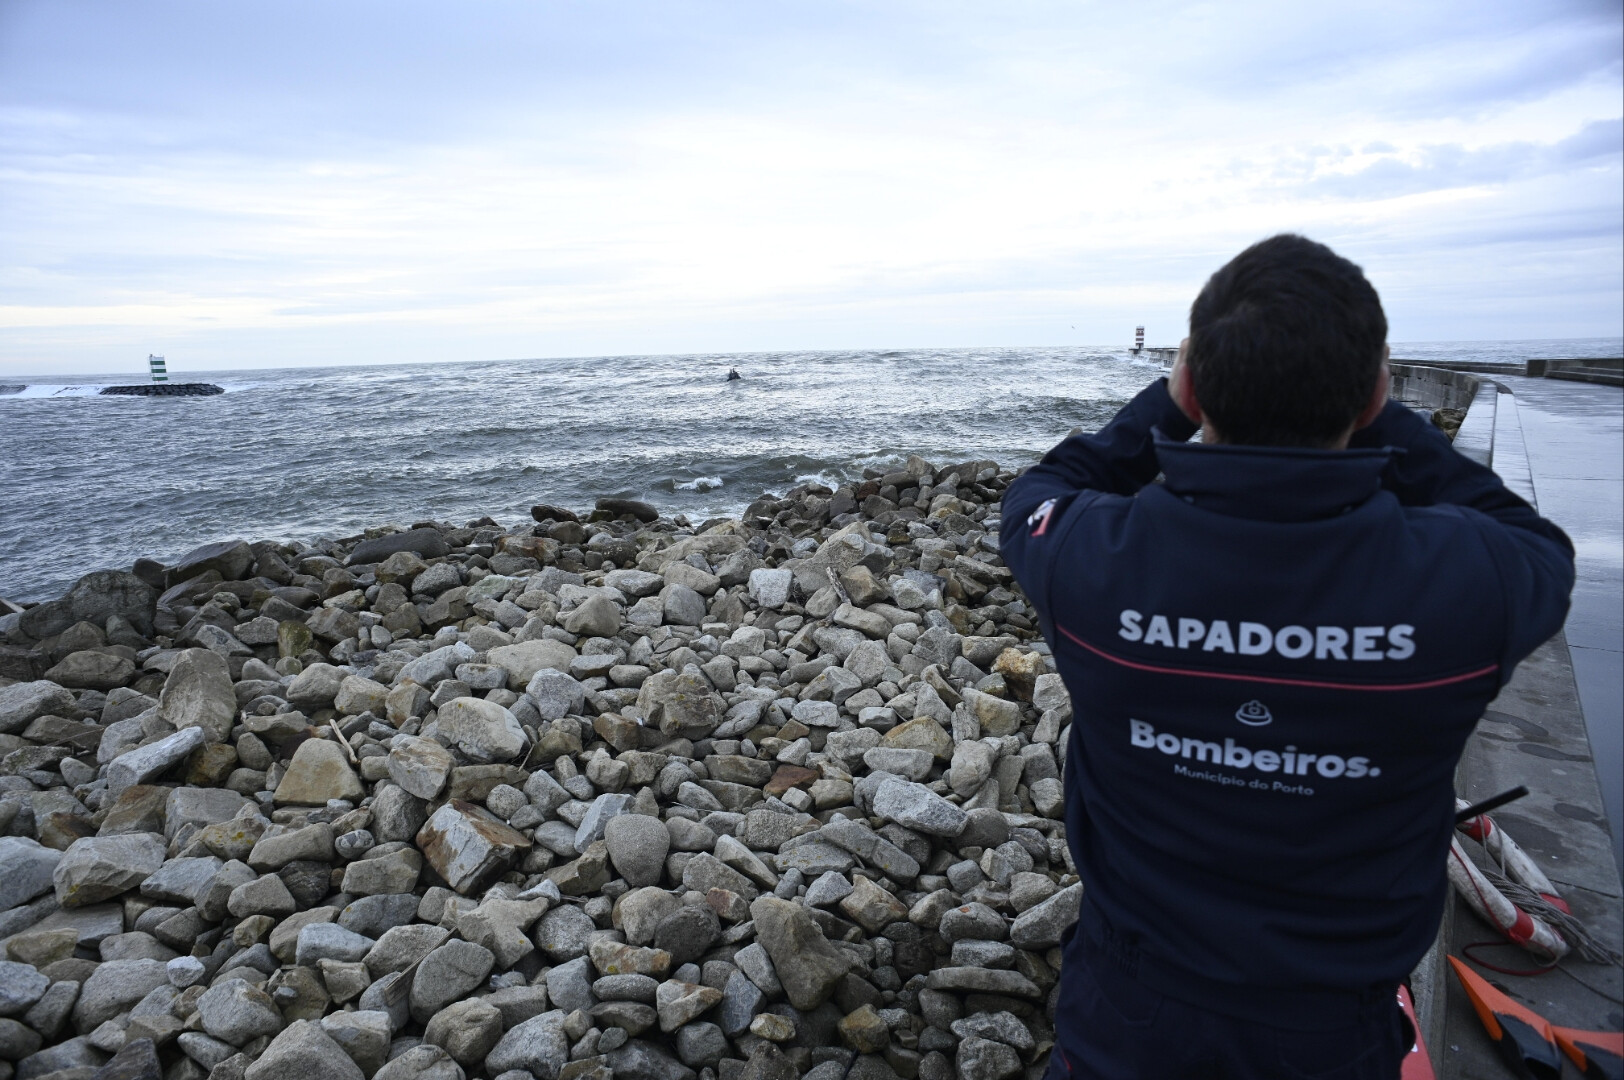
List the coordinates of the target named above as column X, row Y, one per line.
column 1557, row 726
column 1574, row 437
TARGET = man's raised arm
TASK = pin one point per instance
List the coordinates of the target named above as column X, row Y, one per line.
column 1533, row 555
column 1119, row 459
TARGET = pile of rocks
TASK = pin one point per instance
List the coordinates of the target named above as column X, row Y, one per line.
column 594, row 796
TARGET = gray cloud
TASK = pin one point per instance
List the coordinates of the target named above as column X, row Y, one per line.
column 1450, row 165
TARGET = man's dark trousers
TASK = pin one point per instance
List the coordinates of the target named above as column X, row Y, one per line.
column 1130, row 1032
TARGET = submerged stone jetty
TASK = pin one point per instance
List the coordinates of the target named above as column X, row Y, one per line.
column 598, row 795
column 164, row 389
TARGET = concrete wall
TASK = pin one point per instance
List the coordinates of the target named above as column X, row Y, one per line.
column 1433, row 387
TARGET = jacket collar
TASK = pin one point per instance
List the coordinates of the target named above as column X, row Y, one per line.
column 1270, row 483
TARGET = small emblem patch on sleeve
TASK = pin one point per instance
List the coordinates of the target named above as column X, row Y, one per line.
column 1038, row 520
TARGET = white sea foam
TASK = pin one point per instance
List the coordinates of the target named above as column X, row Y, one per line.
column 700, row 483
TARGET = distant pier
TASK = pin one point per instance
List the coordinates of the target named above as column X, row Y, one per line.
column 166, row 389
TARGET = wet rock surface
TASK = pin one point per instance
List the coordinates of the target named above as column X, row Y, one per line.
column 598, row 794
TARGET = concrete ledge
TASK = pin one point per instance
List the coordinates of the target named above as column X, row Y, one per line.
column 1432, row 387
column 1534, row 733
column 1475, row 439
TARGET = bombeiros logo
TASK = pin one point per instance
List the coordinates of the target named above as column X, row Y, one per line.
column 1288, row 761
column 1254, row 714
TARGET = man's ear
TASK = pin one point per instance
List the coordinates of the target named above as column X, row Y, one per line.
column 1180, row 387
column 1378, row 396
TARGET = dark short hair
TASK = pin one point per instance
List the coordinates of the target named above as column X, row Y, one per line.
column 1285, row 344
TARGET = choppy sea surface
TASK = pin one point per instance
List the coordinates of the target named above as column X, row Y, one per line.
column 90, row 482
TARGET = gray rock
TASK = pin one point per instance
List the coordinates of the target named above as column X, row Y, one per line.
column 200, row 807
column 94, row 598
column 701, row 1045
column 916, row 807
column 758, row 968
column 969, row 980
column 23, row 703
column 468, row 846
column 372, row 915
column 505, row 800
column 996, row 715
column 555, row 693
column 275, row 850
column 397, row 814
column 596, row 616
column 26, row 869
column 50, row 1014
column 830, row 888
column 972, row 765
column 1004, row 1027
column 401, row 947
column 152, row 760
column 363, row 1035
column 115, row 986
column 388, row 995
column 236, row 1012
column 539, row 1046
column 420, row 767
column 640, row 1060
column 198, row 693
column 97, row 868
column 316, row 686
column 681, row 704
column 682, row 605
column 468, row 1030
column 938, row 646
column 983, row 1059
column 421, row 1063
column 604, row 808
column 562, row 933
column 640, row 911
column 20, row 987
column 357, row 695
column 18, row 1040
column 184, row 881
column 434, row 666
column 185, row 971
column 436, row 580
column 427, row 542
column 482, row 729
column 447, row 974
column 231, row 559
column 741, row 1000
column 330, row 941
column 1041, row 927
column 569, row 986
column 706, row 872
column 770, row 588
column 638, row 845
column 806, row 964
column 524, row 659
column 75, row 1058
column 687, row 933
column 626, row 988
column 304, row 1052
column 975, row 921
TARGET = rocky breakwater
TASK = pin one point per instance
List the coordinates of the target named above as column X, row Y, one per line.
column 592, row 796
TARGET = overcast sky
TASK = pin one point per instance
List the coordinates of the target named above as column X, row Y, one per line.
column 277, row 184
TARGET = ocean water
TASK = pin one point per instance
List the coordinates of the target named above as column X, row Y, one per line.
column 97, row 482
column 90, row 482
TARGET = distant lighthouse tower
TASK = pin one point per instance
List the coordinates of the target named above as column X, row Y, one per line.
column 1138, row 339
column 156, row 363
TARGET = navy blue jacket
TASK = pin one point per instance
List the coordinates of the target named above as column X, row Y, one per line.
column 1275, row 657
